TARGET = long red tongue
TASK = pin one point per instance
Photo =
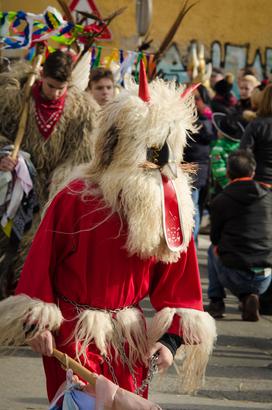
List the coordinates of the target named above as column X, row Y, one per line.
column 171, row 217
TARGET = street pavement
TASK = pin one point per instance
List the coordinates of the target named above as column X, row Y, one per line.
column 239, row 374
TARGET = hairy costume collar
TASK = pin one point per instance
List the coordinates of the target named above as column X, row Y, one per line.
column 140, row 199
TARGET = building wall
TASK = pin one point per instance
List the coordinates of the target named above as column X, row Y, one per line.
column 233, row 31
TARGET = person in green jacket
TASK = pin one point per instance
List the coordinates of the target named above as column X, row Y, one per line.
column 229, row 132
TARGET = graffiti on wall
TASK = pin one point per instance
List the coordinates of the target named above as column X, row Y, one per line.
column 230, row 57
column 171, row 66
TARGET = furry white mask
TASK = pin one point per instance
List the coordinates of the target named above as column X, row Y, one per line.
column 131, row 132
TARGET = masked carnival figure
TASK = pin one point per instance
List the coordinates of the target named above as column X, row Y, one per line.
column 118, row 233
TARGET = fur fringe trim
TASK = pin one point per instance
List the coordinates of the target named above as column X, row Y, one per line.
column 18, row 315
column 131, row 325
column 199, row 335
column 107, row 330
column 92, row 326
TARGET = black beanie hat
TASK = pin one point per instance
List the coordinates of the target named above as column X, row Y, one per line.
column 223, row 87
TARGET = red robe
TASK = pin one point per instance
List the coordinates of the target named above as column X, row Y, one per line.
column 92, row 267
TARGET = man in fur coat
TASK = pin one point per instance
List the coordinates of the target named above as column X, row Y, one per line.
column 61, row 119
column 120, row 231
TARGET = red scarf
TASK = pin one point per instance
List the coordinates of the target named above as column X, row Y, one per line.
column 47, row 112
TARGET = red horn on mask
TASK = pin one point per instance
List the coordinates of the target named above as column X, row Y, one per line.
column 143, row 84
column 190, row 89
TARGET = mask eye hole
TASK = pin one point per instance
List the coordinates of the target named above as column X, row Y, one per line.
column 157, row 155
column 152, row 154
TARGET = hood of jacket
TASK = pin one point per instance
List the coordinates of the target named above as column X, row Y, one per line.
column 246, row 192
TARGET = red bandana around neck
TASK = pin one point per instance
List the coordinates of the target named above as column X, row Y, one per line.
column 47, row 112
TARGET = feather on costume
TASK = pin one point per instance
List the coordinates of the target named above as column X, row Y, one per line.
column 101, row 248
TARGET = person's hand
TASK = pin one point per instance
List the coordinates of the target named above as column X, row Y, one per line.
column 7, row 163
column 165, row 358
column 43, row 343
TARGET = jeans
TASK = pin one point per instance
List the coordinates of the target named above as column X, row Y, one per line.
column 195, row 198
column 239, row 282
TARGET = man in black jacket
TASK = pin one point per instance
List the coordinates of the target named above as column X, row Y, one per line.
column 240, row 257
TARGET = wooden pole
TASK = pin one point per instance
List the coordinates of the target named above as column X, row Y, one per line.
column 77, row 368
column 24, row 115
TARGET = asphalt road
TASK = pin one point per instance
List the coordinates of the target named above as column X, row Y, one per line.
column 239, row 375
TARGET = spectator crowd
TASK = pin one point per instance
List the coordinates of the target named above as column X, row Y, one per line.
column 233, row 151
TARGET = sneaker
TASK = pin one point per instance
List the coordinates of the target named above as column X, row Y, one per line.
column 216, row 309
column 250, row 310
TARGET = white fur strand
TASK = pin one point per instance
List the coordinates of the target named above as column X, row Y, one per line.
column 199, row 335
column 19, row 312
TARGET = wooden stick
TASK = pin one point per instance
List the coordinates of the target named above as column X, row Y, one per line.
column 24, row 115
column 77, row 368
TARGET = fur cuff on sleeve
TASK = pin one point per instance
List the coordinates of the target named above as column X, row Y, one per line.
column 199, row 335
column 22, row 316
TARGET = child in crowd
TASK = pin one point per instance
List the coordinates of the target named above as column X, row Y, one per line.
column 229, row 132
column 247, row 86
column 101, row 85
